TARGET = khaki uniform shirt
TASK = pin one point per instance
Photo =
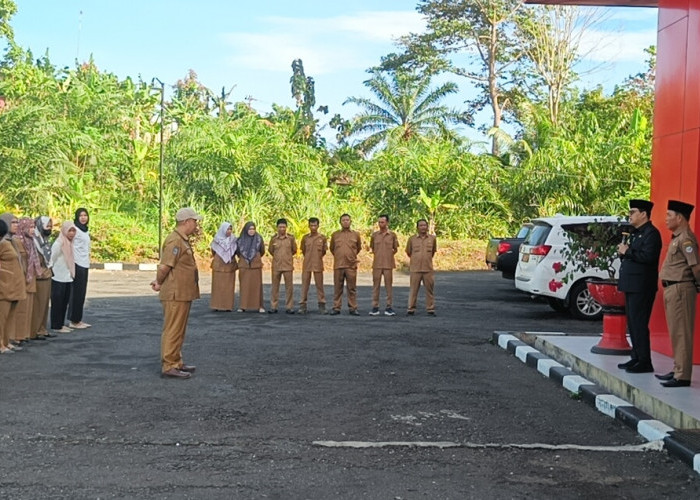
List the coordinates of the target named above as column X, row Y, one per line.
column 384, row 246
column 12, row 278
column 182, row 282
column 681, row 257
column 219, row 266
column 345, row 245
column 421, row 250
column 283, row 251
column 314, row 247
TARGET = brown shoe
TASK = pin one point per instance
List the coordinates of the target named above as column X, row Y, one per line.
column 175, row 373
column 188, row 368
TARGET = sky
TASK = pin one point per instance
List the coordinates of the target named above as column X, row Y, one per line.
column 250, row 45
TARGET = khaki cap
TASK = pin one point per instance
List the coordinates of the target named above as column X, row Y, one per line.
column 187, row 213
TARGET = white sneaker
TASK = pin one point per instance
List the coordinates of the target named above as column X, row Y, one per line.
column 261, row 310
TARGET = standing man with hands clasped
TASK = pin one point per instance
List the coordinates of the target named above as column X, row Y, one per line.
column 384, row 245
column 283, row 248
column 345, row 245
column 177, row 282
column 680, row 275
column 638, row 280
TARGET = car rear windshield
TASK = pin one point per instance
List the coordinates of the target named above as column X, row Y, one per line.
column 523, row 231
column 538, row 234
column 583, row 229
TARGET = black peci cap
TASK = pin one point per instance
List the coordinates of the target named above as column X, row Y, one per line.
column 642, row 206
column 685, row 209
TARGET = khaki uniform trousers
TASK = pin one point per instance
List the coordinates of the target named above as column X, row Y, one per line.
column 679, row 304
column 428, row 280
column 348, row 277
column 288, row 289
column 175, row 315
column 7, row 318
column 388, row 284
column 306, row 282
column 41, row 307
column 23, row 317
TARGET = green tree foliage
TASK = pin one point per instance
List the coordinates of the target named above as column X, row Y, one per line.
column 406, row 108
column 481, row 33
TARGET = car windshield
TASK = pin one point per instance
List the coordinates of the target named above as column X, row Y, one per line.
column 538, row 234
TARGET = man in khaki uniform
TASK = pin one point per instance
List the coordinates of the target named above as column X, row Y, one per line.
column 384, row 245
column 680, row 274
column 177, row 282
column 314, row 246
column 345, row 245
column 420, row 249
column 283, row 248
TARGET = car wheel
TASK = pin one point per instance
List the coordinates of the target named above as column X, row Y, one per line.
column 581, row 303
column 557, row 304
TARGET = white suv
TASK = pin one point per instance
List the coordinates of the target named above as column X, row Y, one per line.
column 541, row 249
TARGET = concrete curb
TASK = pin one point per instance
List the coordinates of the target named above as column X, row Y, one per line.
column 120, row 266
column 601, row 399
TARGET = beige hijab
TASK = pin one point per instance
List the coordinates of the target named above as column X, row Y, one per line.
column 67, row 246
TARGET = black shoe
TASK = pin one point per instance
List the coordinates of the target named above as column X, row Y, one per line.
column 640, row 368
column 665, row 376
column 431, row 313
column 629, row 363
column 39, row 337
column 410, row 313
column 354, row 312
column 335, row 312
column 49, row 335
column 674, row 382
column 272, row 311
column 290, row 311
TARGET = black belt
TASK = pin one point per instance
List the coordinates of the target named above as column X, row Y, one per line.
column 667, row 283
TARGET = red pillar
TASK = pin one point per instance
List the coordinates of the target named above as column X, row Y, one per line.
column 676, row 146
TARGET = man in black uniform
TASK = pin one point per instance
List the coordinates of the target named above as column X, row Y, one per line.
column 639, row 274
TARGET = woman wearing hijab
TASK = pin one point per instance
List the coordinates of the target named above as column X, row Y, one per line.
column 63, row 267
column 250, row 250
column 42, row 230
column 223, row 269
column 12, row 288
column 30, row 264
column 81, row 255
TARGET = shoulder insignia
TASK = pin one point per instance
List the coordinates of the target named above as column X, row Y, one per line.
column 689, row 249
column 176, row 250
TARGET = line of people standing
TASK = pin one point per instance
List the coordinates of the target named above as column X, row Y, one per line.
column 34, row 272
column 243, row 254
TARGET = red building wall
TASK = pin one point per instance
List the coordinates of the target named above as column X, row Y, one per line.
column 676, row 147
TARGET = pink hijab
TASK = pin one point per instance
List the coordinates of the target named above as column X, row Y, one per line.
column 67, row 245
column 25, row 234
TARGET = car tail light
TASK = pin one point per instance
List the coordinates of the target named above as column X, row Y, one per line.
column 503, row 247
column 540, row 250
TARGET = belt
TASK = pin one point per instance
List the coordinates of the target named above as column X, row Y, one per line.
column 667, row 283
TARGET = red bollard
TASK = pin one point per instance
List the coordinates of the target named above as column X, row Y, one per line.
column 614, row 339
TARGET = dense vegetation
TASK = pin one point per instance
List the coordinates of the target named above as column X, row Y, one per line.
column 79, row 136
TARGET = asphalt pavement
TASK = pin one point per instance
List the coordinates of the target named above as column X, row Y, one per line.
column 313, row 407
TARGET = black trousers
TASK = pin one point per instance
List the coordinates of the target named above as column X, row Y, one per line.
column 77, row 296
column 60, row 295
column 638, row 310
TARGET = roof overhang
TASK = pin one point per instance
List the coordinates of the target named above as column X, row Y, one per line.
column 600, row 3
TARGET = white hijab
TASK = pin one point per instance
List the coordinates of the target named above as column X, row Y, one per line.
column 224, row 246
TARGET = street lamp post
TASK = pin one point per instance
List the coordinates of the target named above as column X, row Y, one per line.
column 160, row 168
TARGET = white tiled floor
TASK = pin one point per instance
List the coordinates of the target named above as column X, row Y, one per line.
column 686, row 399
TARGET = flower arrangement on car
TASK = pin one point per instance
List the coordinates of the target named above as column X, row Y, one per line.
column 590, row 247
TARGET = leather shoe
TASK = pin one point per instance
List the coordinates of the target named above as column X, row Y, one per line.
column 175, row 373
column 674, row 382
column 629, row 363
column 665, row 376
column 335, row 312
column 272, row 311
column 354, row 312
column 640, row 368
column 290, row 311
column 188, row 368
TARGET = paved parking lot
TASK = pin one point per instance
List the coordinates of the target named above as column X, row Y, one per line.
column 312, row 407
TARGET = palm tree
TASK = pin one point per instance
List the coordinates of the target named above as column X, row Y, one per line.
column 406, row 108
